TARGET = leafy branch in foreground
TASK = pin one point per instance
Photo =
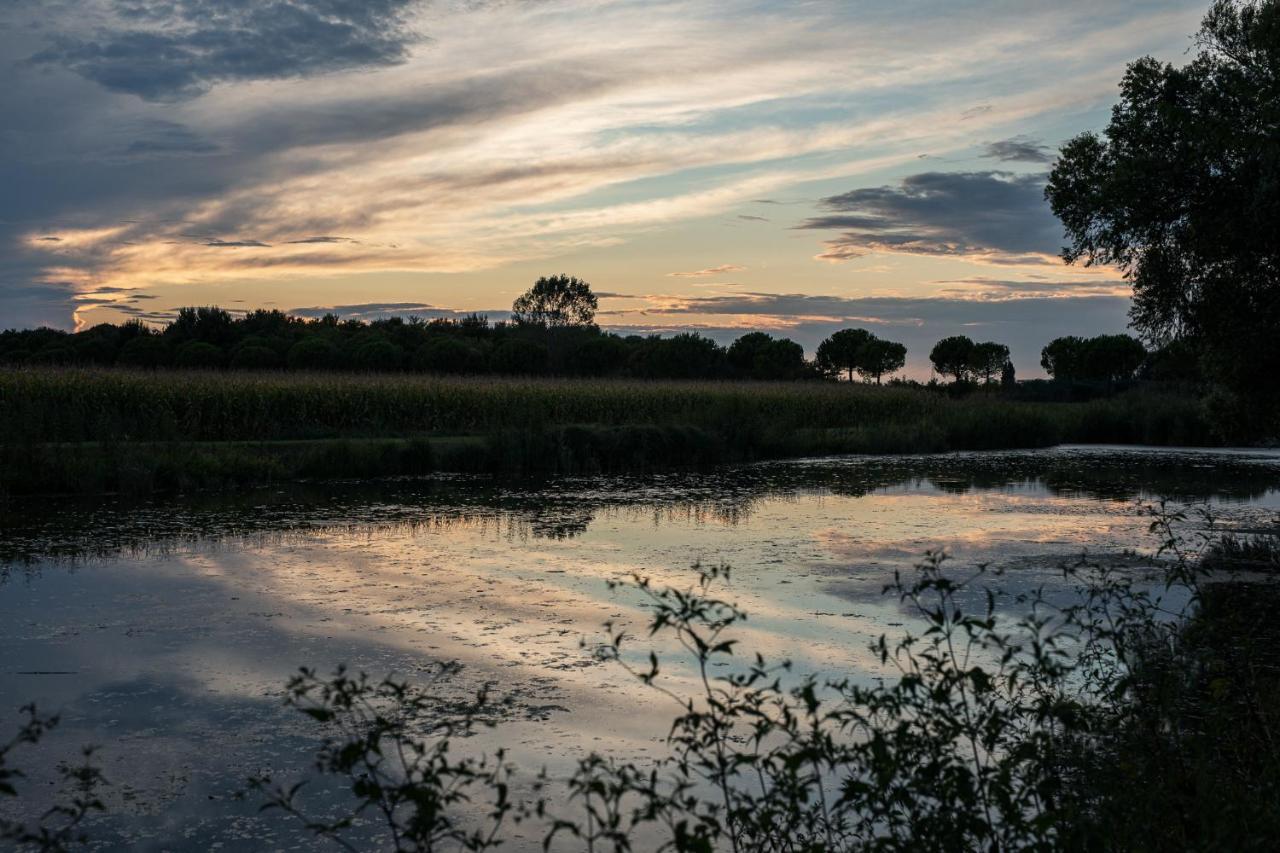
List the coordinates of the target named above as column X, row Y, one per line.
column 392, row 741
column 1102, row 716
column 60, row 827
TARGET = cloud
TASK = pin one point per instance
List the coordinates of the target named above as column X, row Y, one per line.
column 238, row 244
column 1024, row 323
column 749, row 218
column 168, row 50
column 710, row 271
column 998, row 216
column 321, row 239
column 386, row 310
column 159, row 138
column 993, row 290
column 1018, row 149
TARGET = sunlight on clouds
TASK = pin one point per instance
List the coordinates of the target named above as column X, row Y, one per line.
column 487, row 136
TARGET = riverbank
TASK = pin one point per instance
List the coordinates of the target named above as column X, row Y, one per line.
column 98, row 431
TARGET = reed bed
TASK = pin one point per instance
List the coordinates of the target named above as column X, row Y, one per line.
column 65, row 419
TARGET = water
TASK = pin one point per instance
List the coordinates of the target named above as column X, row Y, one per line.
column 164, row 631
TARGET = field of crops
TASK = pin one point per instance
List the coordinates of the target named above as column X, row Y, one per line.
column 46, row 411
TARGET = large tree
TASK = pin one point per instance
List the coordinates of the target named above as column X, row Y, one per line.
column 953, row 357
column 878, row 358
column 556, row 301
column 988, row 359
column 839, row 353
column 1182, row 193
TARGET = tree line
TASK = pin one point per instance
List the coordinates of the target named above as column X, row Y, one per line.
column 552, row 332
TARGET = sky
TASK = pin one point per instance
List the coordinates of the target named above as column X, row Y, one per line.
column 794, row 167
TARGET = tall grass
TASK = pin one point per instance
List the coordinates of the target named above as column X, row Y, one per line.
column 551, row 425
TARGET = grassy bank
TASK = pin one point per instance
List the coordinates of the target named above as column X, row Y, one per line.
column 140, row 431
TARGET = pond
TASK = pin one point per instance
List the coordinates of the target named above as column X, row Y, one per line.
column 164, row 631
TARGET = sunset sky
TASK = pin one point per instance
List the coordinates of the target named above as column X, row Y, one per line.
column 794, row 167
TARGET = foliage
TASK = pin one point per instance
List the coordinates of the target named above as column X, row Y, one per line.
column 60, row 828
column 987, row 359
column 1104, row 358
column 953, row 357
column 1050, row 724
column 840, row 351
column 758, row 355
column 1182, row 192
column 850, row 350
column 391, row 743
column 556, row 301
column 1135, row 713
column 879, row 357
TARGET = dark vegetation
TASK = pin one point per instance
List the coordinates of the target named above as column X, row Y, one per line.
column 551, row 333
column 85, row 431
column 1136, row 712
column 216, row 401
column 1182, row 193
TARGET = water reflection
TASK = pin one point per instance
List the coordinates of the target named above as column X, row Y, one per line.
column 72, row 530
column 182, row 619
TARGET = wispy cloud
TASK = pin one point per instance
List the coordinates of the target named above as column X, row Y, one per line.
column 708, row 272
column 465, row 137
column 1018, row 149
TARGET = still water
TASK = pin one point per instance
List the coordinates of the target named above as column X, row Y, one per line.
column 163, row 632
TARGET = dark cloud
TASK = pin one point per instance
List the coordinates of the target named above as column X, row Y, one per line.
column 1018, row 149
column 321, row 239
column 238, row 244
column 167, row 137
column 386, row 310
column 753, row 218
column 164, row 50
column 997, row 214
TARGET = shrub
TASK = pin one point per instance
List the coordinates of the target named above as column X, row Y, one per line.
column 144, row 351
column 448, row 355
column 519, row 357
column 198, row 354
column 312, row 354
column 254, row 357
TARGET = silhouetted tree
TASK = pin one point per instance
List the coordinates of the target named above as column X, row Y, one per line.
column 759, row 356
column 209, row 324
column 144, row 351
column 877, row 358
column 839, row 353
column 953, row 357
column 1105, row 358
column 684, row 356
column 1063, row 358
column 987, row 359
column 1112, row 358
column 1008, row 376
column 198, row 354
column 519, row 357
column 447, row 354
column 554, row 301
column 313, row 353
column 1182, row 193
